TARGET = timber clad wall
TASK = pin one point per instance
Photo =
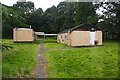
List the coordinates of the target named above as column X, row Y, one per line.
column 82, row 35
column 23, row 35
column 80, row 38
column 69, row 39
column 98, row 37
column 63, row 40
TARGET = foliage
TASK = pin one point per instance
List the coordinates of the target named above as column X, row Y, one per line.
column 85, row 12
column 25, row 8
column 20, row 60
column 97, row 62
column 4, row 46
column 63, row 16
column 35, row 20
column 49, row 17
column 10, row 19
column 54, row 45
column 96, row 42
column 110, row 16
column 54, row 19
column 69, row 15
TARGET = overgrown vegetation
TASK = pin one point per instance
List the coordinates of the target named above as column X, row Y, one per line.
column 20, row 60
column 54, row 45
column 4, row 46
column 93, row 62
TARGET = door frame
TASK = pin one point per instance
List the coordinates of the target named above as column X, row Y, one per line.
column 92, row 35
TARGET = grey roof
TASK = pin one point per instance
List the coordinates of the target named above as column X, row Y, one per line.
column 82, row 27
column 23, row 28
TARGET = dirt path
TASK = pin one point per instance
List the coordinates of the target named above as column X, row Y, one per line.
column 40, row 69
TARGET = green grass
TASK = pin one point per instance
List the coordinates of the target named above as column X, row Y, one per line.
column 20, row 60
column 54, row 45
column 49, row 40
column 94, row 62
column 51, row 43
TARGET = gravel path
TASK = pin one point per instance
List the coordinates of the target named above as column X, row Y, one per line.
column 40, row 69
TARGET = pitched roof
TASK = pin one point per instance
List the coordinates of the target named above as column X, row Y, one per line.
column 82, row 27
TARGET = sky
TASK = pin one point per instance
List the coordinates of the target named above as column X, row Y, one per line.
column 44, row 4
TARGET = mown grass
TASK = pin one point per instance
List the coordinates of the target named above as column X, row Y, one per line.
column 93, row 62
column 54, row 45
column 19, row 60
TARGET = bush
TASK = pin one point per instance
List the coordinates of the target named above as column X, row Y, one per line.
column 96, row 42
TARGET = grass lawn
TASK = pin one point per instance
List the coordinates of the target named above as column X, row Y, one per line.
column 51, row 43
column 54, row 45
column 49, row 40
column 94, row 62
column 20, row 60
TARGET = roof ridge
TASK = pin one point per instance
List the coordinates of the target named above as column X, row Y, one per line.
column 87, row 26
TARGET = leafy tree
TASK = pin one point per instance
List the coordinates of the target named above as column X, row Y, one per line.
column 70, row 15
column 111, row 16
column 60, row 19
column 25, row 8
column 10, row 19
column 35, row 20
column 49, row 17
column 85, row 13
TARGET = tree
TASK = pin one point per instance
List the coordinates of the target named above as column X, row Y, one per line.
column 25, row 8
column 11, row 19
column 85, row 13
column 66, row 15
column 36, row 20
column 111, row 17
column 70, row 15
column 49, row 17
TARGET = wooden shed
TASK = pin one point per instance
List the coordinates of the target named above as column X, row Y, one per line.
column 23, row 35
column 85, row 34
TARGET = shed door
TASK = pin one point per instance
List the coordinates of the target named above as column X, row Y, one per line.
column 92, row 38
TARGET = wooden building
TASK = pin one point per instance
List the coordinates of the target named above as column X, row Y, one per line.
column 23, row 35
column 85, row 34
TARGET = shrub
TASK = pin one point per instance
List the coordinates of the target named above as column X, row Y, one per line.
column 96, row 42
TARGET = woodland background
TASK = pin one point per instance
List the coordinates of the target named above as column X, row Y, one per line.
column 63, row 16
